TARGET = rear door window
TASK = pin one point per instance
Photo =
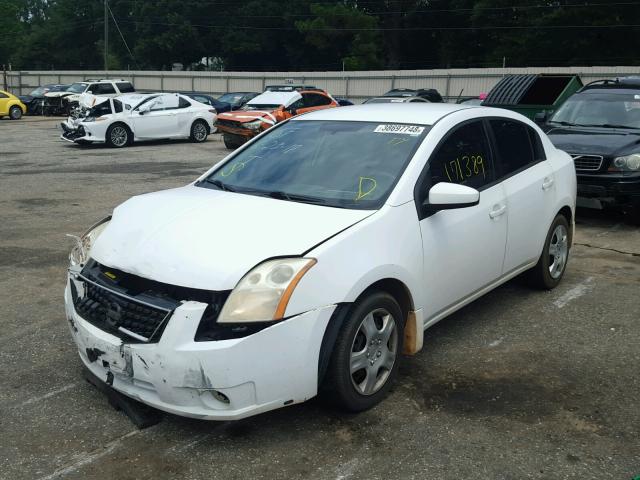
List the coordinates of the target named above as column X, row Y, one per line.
column 514, row 145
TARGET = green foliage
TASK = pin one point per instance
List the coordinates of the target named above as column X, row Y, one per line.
column 318, row 34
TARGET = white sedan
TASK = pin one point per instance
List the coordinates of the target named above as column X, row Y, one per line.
column 120, row 121
column 315, row 255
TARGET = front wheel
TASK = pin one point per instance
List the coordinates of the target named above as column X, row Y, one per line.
column 118, row 136
column 231, row 142
column 365, row 356
column 552, row 263
column 199, row 131
column 15, row 113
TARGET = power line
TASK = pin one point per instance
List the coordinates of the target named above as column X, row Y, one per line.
column 121, row 36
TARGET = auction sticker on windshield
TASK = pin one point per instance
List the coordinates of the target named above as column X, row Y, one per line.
column 404, row 129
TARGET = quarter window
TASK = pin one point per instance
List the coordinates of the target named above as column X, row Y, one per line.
column 2, row 95
column 464, row 158
column 515, row 145
column 182, row 103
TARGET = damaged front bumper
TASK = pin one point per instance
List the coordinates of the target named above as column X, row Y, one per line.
column 213, row 380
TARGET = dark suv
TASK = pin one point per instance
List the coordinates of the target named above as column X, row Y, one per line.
column 599, row 126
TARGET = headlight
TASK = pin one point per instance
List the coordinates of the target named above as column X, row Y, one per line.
column 80, row 251
column 628, row 163
column 253, row 125
column 262, row 294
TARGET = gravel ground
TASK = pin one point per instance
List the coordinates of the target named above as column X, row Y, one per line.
column 519, row 384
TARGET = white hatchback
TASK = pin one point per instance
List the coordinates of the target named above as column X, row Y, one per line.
column 315, row 255
column 120, row 121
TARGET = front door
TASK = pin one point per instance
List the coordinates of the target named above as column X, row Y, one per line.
column 161, row 121
column 463, row 248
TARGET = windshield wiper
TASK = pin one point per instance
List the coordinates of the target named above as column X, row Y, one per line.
column 565, row 124
column 217, row 183
column 292, row 197
column 612, row 125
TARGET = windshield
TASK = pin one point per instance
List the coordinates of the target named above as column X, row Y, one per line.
column 77, row 88
column 339, row 164
column 39, row 92
column 231, row 98
column 602, row 109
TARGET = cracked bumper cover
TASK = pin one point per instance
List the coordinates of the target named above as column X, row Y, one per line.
column 275, row 367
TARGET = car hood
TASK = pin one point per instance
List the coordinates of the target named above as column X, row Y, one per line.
column 596, row 141
column 57, row 94
column 208, row 239
column 245, row 116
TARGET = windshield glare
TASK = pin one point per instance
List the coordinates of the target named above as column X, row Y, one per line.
column 341, row 164
column 600, row 109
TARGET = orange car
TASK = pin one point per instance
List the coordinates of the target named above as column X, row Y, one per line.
column 267, row 109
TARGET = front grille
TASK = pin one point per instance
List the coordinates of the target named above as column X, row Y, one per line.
column 587, row 163
column 120, row 315
column 228, row 123
column 134, row 308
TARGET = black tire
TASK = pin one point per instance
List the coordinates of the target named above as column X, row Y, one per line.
column 541, row 275
column 199, row 131
column 15, row 113
column 231, row 142
column 118, row 136
column 633, row 213
column 344, row 387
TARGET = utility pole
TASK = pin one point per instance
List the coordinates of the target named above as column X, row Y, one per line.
column 106, row 36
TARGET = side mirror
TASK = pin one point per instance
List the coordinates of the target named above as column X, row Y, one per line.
column 447, row 196
column 540, row 118
column 89, row 92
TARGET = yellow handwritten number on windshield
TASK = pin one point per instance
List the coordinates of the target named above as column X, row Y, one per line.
column 364, row 189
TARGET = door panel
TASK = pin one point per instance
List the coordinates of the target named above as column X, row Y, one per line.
column 463, row 250
column 529, row 203
column 529, row 188
column 160, row 122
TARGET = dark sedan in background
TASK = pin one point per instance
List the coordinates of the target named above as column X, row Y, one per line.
column 35, row 101
column 599, row 126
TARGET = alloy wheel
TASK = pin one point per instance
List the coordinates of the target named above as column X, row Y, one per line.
column 119, row 136
column 558, row 251
column 373, row 351
column 199, row 132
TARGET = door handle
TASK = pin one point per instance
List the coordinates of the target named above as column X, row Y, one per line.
column 497, row 211
column 547, row 183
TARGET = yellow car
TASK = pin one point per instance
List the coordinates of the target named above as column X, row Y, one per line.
column 11, row 106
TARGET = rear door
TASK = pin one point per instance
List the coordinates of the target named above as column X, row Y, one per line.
column 529, row 187
column 463, row 248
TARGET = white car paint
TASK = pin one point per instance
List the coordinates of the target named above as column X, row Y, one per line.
column 164, row 121
column 209, row 239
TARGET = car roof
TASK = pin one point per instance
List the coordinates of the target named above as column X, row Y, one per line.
column 619, row 90
column 275, row 98
column 412, row 113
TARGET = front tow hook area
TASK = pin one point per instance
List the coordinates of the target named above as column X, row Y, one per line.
column 141, row 415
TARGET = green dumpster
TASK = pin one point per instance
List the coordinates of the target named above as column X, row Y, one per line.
column 530, row 94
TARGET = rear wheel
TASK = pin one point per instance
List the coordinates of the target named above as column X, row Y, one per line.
column 365, row 357
column 199, row 131
column 15, row 113
column 231, row 142
column 552, row 264
column 118, row 136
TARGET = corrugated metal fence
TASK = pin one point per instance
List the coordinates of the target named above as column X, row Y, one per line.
column 356, row 86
